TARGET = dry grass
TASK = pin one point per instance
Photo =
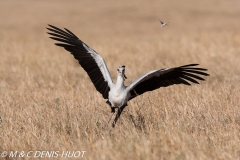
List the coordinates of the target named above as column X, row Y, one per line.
column 47, row 101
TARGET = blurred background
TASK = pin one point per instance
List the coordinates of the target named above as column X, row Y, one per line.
column 129, row 25
column 115, row 17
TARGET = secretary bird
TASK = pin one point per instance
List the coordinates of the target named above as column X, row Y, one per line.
column 117, row 94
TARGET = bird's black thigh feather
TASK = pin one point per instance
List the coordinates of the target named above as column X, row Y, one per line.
column 120, row 109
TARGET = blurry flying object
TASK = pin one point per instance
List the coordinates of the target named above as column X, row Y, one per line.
column 117, row 94
column 162, row 23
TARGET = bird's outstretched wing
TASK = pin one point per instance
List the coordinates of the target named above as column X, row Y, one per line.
column 166, row 77
column 89, row 59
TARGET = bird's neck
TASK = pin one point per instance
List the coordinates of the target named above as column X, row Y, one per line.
column 119, row 82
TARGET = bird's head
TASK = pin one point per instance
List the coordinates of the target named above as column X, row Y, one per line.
column 121, row 71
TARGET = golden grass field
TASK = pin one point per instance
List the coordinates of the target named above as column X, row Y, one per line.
column 48, row 103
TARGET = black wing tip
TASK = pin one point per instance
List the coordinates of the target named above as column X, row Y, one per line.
column 67, row 30
column 59, row 44
column 187, row 68
column 190, row 65
column 56, row 30
column 54, row 27
column 50, row 27
column 191, row 73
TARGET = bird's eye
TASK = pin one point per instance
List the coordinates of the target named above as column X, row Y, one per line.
column 118, row 70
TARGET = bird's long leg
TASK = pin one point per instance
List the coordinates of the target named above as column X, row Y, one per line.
column 112, row 111
column 118, row 115
column 110, row 117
